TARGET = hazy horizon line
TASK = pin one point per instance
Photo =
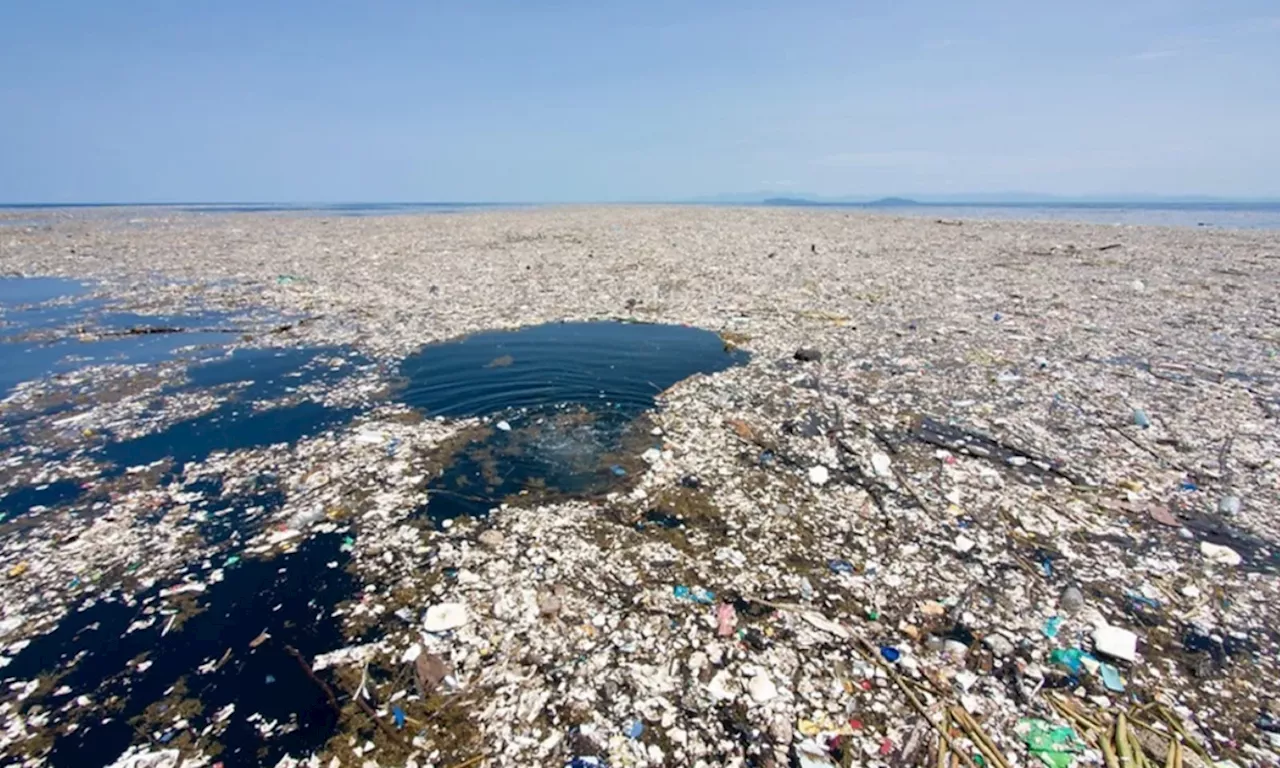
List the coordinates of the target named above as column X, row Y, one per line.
column 724, row 199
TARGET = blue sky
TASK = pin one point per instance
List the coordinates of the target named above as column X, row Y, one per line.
column 564, row 101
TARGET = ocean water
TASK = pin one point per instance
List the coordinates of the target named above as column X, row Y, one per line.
column 36, row 214
column 565, row 399
column 1221, row 215
column 1196, row 215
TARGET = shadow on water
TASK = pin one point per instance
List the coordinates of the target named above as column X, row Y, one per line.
column 290, row 598
column 567, row 396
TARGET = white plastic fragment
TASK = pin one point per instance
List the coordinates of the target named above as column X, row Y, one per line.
column 1219, row 554
column 1116, row 642
column 443, row 617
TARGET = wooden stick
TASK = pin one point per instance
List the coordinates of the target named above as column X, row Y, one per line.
column 979, row 737
column 1123, row 746
column 328, row 692
column 869, row 653
column 1108, row 751
column 943, row 753
column 1196, row 747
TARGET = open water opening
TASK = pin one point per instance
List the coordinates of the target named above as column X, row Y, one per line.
column 565, row 403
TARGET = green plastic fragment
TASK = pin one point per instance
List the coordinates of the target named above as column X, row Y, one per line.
column 1055, row 745
column 1070, row 658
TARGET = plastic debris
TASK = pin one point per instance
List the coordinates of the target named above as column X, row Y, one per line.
column 762, row 688
column 1229, row 505
column 634, row 729
column 1141, row 419
column 1033, row 460
column 726, row 619
column 1111, row 678
column 1071, row 658
column 1054, row 746
column 1051, row 625
column 444, row 617
column 695, row 594
column 1161, row 515
column 1219, row 554
column 1116, row 642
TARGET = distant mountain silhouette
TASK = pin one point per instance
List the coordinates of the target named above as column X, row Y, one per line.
column 884, row 202
column 789, row 201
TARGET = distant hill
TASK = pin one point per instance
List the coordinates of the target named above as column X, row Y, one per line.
column 790, row 201
column 884, row 202
column 895, row 202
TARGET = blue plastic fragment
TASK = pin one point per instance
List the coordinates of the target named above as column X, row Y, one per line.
column 398, row 714
column 890, row 653
column 270, row 679
column 634, row 729
column 1142, row 600
column 1050, row 628
column 840, row 566
column 587, row 762
column 697, row 594
column 1140, row 418
column 618, row 471
column 1111, row 678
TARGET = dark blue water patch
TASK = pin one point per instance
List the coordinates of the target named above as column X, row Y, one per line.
column 566, row 397
column 232, row 517
column 232, row 426
column 291, row 598
column 271, row 372
column 614, row 365
column 18, row 501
